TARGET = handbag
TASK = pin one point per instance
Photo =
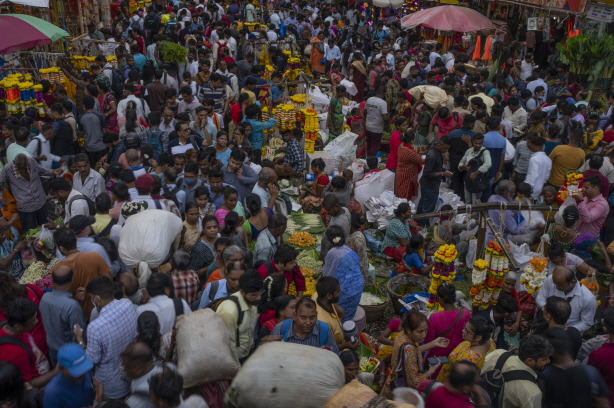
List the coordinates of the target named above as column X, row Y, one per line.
column 481, row 181
column 449, row 329
column 401, row 380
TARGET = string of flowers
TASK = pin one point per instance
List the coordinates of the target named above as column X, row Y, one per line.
column 488, row 275
column 443, row 271
column 535, row 274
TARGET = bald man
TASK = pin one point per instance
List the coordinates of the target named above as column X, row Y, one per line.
column 266, row 188
column 60, row 312
column 563, row 283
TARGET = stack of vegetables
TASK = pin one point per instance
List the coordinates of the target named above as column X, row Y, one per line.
column 487, row 283
column 311, row 223
column 443, row 271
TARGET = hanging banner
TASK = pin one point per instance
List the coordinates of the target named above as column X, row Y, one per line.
column 33, row 3
column 600, row 12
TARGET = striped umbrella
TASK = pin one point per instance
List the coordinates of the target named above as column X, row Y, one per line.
column 19, row 32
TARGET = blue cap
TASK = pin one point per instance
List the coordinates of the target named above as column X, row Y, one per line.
column 252, row 35
column 72, row 357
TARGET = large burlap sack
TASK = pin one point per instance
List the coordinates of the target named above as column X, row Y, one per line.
column 434, row 96
column 203, row 349
column 356, row 394
column 145, row 240
column 287, row 375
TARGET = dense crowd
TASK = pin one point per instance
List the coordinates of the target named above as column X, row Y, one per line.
column 187, row 139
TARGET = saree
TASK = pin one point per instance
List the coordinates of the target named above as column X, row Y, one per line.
column 335, row 118
column 344, row 264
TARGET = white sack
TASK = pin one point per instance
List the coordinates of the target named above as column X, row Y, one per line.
column 373, row 185
column 434, row 96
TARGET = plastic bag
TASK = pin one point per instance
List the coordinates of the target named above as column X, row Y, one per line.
column 145, row 240
column 342, row 146
column 203, row 350
column 510, row 151
column 271, row 376
column 358, row 168
column 373, row 185
column 350, row 87
column 558, row 217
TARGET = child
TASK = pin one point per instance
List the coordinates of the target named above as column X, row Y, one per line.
column 357, row 125
column 203, row 201
column 372, row 163
column 231, row 196
column 192, row 228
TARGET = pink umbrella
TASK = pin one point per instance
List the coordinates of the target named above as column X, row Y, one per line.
column 448, row 18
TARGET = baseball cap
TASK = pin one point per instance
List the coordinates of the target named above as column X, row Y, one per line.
column 79, row 222
column 72, row 357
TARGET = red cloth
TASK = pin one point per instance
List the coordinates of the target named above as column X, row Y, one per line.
column 443, row 397
column 439, row 322
column 603, row 360
column 396, row 253
column 448, row 125
column 235, row 114
column 19, row 356
column 394, row 143
column 295, row 275
column 608, row 136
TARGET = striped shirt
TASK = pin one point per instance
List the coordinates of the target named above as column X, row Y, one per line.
column 219, row 96
column 29, row 195
column 312, row 339
column 107, row 337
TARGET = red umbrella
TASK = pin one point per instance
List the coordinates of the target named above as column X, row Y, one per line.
column 448, row 18
column 21, row 31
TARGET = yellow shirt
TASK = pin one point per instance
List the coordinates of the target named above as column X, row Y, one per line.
column 252, row 96
column 564, row 158
column 596, row 137
column 333, row 322
column 102, row 220
column 519, row 393
column 230, row 314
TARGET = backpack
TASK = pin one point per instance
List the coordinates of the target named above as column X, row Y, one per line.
column 493, row 381
column 172, row 194
column 215, row 285
column 107, row 230
column 324, row 330
column 135, row 24
column 117, row 81
column 154, row 141
column 17, row 342
column 178, row 306
column 220, row 45
column 90, row 204
column 215, row 304
column 152, row 23
column 481, row 181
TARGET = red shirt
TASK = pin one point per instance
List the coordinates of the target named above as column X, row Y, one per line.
column 394, row 143
column 295, row 275
column 608, row 136
column 443, row 397
column 19, row 356
column 235, row 113
column 603, row 360
column 454, row 121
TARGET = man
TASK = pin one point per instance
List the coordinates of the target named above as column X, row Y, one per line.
column 60, row 312
column 88, row 181
column 171, row 189
column 593, row 207
column 239, row 174
column 190, row 183
column 142, row 109
column 392, row 89
column 16, row 343
column 108, row 335
column 596, row 165
column 222, row 288
column 188, row 102
column 496, row 145
column 462, row 389
column 23, row 177
column 159, row 288
column 22, row 137
column 533, row 355
column 270, row 238
column 82, row 226
column 539, row 165
column 184, row 141
column 328, row 310
column 74, row 202
column 565, row 158
column 73, row 386
column 375, row 120
column 166, row 388
column 526, row 68
column 156, row 92
column 556, row 313
column 517, row 116
column 603, row 358
column 185, row 281
column 432, row 175
column 216, row 185
column 488, row 101
column 266, row 187
column 239, row 312
column 332, row 53
column 305, row 328
column 93, row 125
column 140, row 365
column 143, row 186
column 563, row 283
column 40, row 147
column 532, row 86
column 85, row 266
column 245, row 66
column 496, row 315
column 218, row 90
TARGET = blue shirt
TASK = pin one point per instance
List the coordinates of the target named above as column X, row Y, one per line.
column 62, row 392
column 222, row 292
column 255, row 138
column 496, row 145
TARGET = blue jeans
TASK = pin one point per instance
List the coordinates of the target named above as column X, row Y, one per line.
column 33, row 219
column 427, row 203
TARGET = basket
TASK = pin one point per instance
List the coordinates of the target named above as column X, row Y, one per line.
column 420, row 282
column 375, row 312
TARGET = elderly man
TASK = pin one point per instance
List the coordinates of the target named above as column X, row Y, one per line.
column 512, row 231
column 517, row 116
column 563, row 283
column 266, row 187
column 239, row 174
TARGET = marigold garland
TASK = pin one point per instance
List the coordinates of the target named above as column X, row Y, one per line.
column 443, row 271
column 488, row 275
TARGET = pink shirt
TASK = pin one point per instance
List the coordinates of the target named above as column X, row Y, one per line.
column 439, row 322
column 443, row 397
column 592, row 214
column 394, row 143
column 448, row 125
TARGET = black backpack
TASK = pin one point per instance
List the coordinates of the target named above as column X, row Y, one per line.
column 172, row 194
column 493, row 381
column 481, row 181
column 117, row 81
column 90, row 204
column 152, row 23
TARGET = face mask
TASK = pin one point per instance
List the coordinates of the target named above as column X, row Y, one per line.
column 189, row 182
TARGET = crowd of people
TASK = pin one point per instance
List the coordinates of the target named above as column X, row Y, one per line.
column 187, row 139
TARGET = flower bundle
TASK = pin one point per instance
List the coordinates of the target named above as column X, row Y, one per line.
column 478, row 274
column 534, row 274
column 573, row 179
column 302, row 239
column 310, row 287
column 286, row 116
column 443, row 271
column 488, row 275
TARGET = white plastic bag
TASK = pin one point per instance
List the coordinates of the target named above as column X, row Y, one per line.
column 510, row 151
column 274, row 373
column 350, row 87
column 358, row 168
column 373, row 185
column 342, row 145
column 522, row 254
column 145, row 240
column 558, row 217
column 203, row 350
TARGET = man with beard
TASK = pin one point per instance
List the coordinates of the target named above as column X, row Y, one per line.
column 330, row 312
column 240, row 312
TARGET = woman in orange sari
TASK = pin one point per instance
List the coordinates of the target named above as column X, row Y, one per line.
column 317, row 54
column 8, row 209
column 409, row 164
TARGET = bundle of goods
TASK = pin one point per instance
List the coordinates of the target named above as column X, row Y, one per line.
column 20, row 93
column 381, row 209
column 300, row 102
column 53, row 74
column 268, row 72
column 286, row 116
column 534, row 275
column 310, row 283
column 311, row 223
column 356, row 394
column 265, row 117
column 293, row 68
column 39, row 274
column 590, row 282
column 374, row 301
column 85, row 63
column 573, row 182
column 488, row 275
column 443, row 271
column 311, row 128
column 310, row 259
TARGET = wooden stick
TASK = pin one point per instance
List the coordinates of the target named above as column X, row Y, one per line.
column 485, row 207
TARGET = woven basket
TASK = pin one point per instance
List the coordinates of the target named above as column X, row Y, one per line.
column 375, row 312
column 420, row 282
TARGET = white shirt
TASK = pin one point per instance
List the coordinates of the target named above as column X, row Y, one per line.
column 142, row 109
column 91, row 187
column 271, row 35
column 583, row 304
column 526, row 70
column 275, row 20
column 518, row 119
column 45, row 150
column 333, row 53
column 433, row 58
column 77, row 207
column 376, row 108
column 263, row 194
column 534, row 84
column 488, row 101
column 164, row 308
column 538, row 172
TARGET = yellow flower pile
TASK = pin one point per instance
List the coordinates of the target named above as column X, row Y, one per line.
column 310, row 287
column 299, row 98
column 573, row 178
column 446, row 254
column 302, row 239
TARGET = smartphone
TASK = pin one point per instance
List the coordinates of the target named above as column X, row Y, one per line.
column 434, row 360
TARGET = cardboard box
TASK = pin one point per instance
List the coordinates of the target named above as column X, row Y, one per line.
column 330, row 161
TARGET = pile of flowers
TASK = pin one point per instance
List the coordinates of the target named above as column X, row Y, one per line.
column 573, row 179
column 443, row 271
column 591, row 284
column 306, row 260
column 534, row 275
column 302, row 239
column 39, row 274
column 488, row 275
column 310, row 286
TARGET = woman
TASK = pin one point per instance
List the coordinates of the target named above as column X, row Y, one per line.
column 335, row 113
column 477, row 344
column 10, row 252
column 148, row 332
column 351, row 364
column 222, row 151
column 358, row 75
column 239, row 141
column 220, row 246
column 108, row 106
column 414, row 260
column 132, row 127
column 401, row 126
column 403, row 107
column 409, row 165
column 358, row 243
column 448, row 323
column 398, row 233
column 311, row 199
column 10, row 290
column 259, row 217
column 344, row 264
column 317, row 54
column 336, row 76
column 203, row 251
column 231, row 197
column 191, row 228
column 552, row 139
column 557, row 256
column 274, row 286
column 408, row 349
column 233, row 230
